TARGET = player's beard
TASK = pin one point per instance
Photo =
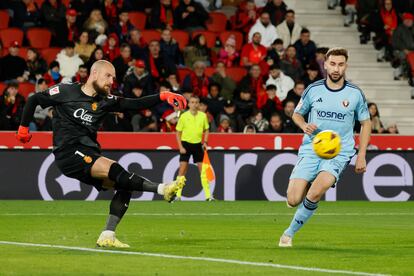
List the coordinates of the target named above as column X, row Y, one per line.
column 335, row 80
column 99, row 89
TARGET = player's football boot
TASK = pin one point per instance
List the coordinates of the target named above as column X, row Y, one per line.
column 210, row 199
column 285, row 241
column 108, row 239
column 170, row 189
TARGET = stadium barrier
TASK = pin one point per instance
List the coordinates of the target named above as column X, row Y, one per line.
column 240, row 175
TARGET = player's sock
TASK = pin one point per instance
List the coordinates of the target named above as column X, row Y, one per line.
column 303, row 213
column 206, row 186
column 119, row 205
column 129, row 181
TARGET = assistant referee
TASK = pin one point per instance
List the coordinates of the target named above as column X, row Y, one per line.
column 190, row 129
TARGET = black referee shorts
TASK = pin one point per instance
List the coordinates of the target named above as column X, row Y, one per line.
column 76, row 161
column 196, row 150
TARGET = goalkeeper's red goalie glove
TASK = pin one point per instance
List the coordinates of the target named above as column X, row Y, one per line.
column 23, row 134
column 173, row 99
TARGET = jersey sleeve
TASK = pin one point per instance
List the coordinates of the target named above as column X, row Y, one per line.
column 361, row 111
column 304, row 104
column 120, row 104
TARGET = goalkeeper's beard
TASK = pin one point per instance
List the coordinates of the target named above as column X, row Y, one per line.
column 335, row 80
column 100, row 90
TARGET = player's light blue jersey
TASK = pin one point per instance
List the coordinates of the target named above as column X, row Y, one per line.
column 336, row 110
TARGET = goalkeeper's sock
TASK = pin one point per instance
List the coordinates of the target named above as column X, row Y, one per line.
column 303, row 213
column 119, row 205
column 206, row 186
column 129, row 181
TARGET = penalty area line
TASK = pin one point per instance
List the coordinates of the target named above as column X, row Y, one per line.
column 204, row 259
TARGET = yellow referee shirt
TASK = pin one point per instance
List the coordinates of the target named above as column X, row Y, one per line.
column 192, row 126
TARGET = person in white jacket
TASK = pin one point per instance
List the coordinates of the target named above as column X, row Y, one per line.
column 265, row 28
column 69, row 62
column 283, row 83
column 288, row 30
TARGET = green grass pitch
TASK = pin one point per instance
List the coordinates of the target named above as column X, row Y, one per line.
column 347, row 236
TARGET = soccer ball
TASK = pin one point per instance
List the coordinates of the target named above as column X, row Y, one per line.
column 327, row 144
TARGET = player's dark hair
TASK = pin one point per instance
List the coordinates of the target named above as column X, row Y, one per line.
column 337, row 52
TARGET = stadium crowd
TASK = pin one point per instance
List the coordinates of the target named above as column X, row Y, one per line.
column 249, row 70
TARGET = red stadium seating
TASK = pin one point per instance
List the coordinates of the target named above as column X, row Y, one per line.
column 138, row 19
column 2, row 87
column 4, row 19
column 49, row 54
column 7, row 36
column 149, row 35
column 209, row 71
column 210, row 37
column 39, row 37
column 39, row 3
column 181, row 73
column 217, row 22
column 236, row 73
column 181, row 37
column 239, row 38
column 23, row 52
column 25, row 88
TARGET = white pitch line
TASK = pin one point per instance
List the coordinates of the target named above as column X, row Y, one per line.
column 169, row 256
column 206, row 214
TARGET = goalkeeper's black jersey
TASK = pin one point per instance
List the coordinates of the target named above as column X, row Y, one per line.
column 77, row 116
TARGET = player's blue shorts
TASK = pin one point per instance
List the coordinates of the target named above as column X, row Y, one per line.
column 308, row 167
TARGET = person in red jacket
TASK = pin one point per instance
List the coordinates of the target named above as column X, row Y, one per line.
column 111, row 47
column 254, row 52
column 245, row 17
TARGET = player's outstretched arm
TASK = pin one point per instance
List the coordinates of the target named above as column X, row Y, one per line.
column 175, row 100
column 364, row 136
column 23, row 134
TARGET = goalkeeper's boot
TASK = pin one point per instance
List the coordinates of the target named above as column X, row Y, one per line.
column 171, row 189
column 285, row 241
column 108, row 239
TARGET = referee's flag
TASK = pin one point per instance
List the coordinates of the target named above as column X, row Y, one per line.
column 206, row 168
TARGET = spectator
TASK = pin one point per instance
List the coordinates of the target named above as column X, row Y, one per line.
column 227, row 84
column 137, row 43
column 53, row 13
column 173, row 81
column 249, row 129
column 235, row 119
column 392, row 129
column 376, row 124
column 26, row 14
column 95, row 24
column 123, row 27
column 69, row 62
column 245, row 17
column 275, row 124
column 277, row 11
column 53, row 76
column 253, row 52
column 276, row 52
column 296, row 93
column 282, row 82
column 36, row 65
column 320, row 60
column 83, row 9
column 83, row 48
column 138, row 5
column 42, row 116
column 97, row 54
column 67, row 30
column 197, row 81
column 12, row 65
column 203, row 107
column 290, row 65
column 190, row 16
column 138, row 78
column 228, row 54
column 123, row 62
column 162, row 15
column 245, row 104
column 266, row 29
column 197, row 51
column 259, row 121
column 260, row 3
column 288, row 30
column 170, row 47
column 11, row 107
column 253, row 82
column 159, row 65
column 116, row 121
column 312, row 74
column 305, row 48
column 214, row 100
column 82, row 74
column 224, row 124
column 148, row 122
column 403, row 43
column 350, row 12
column 269, row 102
column 109, row 12
column 41, row 85
column 111, row 47
column 289, row 125
column 210, row 5
column 169, row 121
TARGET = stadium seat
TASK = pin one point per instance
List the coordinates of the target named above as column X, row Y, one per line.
column 23, row 52
column 210, row 37
column 239, row 38
column 7, row 36
column 49, row 54
column 236, row 73
column 181, row 37
column 4, row 19
column 39, row 37
column 2, row 87
column 138, row 19
column 25, row 88
column 209, row 71
column 39, row 3
column 149, row 35
column 181, row 73
column 217, row 22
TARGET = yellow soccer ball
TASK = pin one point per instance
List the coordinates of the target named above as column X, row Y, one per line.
column 327, row 144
